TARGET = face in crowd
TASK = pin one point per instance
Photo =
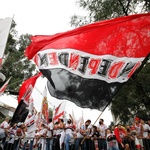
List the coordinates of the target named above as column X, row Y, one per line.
column 69, row 121
column 87, row 123
column 101, row 121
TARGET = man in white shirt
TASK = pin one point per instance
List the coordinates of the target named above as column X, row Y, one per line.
column 145, row 128
column 5, row 127
column 50, row 134
column 102, row 128
column 69, row 129
column 85, row 131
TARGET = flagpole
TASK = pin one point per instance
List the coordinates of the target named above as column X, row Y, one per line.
column 101, row 113
column 96, row 120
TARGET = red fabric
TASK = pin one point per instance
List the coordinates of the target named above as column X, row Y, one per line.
column 58, row 116
column 59, row 111
column 116, row 132
column 45, row 111
column 126, row 36
column 26, row 84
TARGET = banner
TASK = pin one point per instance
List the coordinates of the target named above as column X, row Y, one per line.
column 90, row 64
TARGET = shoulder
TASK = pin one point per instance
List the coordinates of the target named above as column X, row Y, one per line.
column 105, row 126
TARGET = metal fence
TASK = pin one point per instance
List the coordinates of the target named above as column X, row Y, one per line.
column 19, row 143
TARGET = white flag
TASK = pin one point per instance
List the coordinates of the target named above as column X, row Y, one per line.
column 5, row 25
column 3, row 88
column 59, row 111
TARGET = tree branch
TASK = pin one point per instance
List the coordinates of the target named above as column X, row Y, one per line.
column 123, row 8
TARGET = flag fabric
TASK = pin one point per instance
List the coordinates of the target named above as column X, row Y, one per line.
column 3, row 88
column 59, row 111
column 44, row 108
column 24, row 100
column 25, row 85
column 78, row 122
column 5, row 25
column 22, row 109
column 30, row 120
column 90, row 64
column 2, row 77
column 74, row 118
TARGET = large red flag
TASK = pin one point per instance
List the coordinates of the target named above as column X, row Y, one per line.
column 89, row 65
column 25, row 85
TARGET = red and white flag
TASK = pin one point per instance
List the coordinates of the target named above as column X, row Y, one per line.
column 26, row 85
column 59, row 111
column 44, row 107
column 24, row 99
column 23, row 108
column 5, row 25
column 90, row 64
column 3, row 88
column 30, row 120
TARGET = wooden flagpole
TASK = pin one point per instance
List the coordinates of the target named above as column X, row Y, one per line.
column 96, row 120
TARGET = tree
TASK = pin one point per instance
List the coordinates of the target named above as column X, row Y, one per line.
column 107, row 9
column 133, row 98
column 16, row 64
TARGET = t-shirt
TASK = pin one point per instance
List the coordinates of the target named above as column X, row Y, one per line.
column 69, row 129
column 4, row 125
column 102, row 128
column 138, row 129
column 50, row 126
column 145, row 130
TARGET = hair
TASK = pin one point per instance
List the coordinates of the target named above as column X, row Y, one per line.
column 50, row 119
column 43, row 125
column 89, row 121
column 62, row 120
column 102, row 120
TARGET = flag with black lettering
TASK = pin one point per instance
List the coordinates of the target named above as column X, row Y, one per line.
column 90, row 64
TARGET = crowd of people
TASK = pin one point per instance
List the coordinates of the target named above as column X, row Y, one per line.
column 35, row 133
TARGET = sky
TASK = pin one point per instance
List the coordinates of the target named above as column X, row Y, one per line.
column 46, row 17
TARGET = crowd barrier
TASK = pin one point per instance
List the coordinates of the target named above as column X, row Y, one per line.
column 19, row 143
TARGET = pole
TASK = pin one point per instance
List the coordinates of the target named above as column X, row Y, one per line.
column 96, row 120
column 101, row 113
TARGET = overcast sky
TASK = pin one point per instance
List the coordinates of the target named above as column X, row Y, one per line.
column 45, row 17
column 40, row 16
